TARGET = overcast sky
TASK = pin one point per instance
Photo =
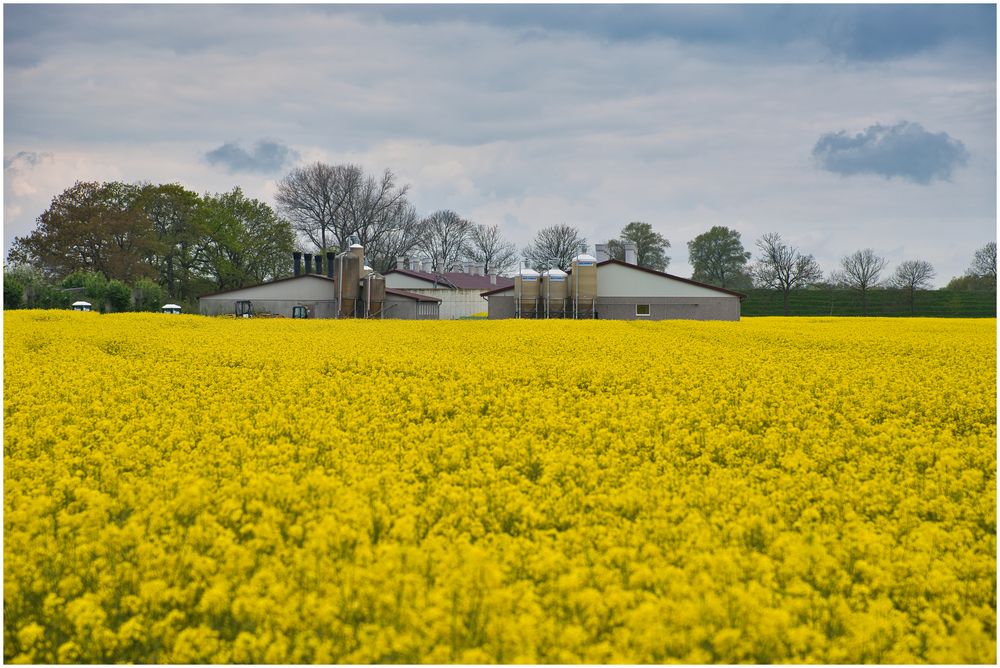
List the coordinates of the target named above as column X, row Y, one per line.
column 839, row 127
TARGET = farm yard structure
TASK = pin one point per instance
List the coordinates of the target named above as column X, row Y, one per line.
column 612, row 290
column 460, row 292
column 348, row 289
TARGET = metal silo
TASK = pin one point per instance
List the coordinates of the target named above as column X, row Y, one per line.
column 555, row 287
column 583, row 286
column 526, row 291
column 373, row 286
column 348, row 276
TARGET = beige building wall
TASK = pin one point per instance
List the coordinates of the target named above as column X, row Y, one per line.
column 614, row 280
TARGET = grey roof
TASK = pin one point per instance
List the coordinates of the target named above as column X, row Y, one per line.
column 455, row 280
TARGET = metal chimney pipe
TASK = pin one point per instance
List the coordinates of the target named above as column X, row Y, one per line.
column 329, row 265
column 318, row 259
column 309, row 263
column 297, row 262
column 602, row 252
column 630, row 254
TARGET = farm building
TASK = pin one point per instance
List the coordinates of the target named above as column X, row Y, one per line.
column 460, row 292
column 611, row 289
column 348, row 289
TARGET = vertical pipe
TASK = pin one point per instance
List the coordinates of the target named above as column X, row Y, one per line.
column 297, row 262
column 329, row 265
column 309, row 263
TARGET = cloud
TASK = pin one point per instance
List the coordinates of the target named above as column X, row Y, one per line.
column 267, row 156
column 26, row 160
column 905, row 150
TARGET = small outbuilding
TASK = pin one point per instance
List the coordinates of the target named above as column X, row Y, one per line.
column 459, row 292
column 81, row 306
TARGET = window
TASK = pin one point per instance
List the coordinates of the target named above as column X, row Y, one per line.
column 642, row 310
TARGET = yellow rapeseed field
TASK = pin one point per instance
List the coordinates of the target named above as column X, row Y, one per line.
column 186, row 489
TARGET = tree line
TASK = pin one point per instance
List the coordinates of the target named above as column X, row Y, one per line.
column 129, row 245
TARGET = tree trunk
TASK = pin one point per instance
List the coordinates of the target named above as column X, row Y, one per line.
column 911, row 302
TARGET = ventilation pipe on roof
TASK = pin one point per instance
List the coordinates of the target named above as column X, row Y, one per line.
column 401, row 262
column 329, row 265
column 630, row 254
column 428, row 265
column 297, row 262
column 602, row 252
column 318, row 259
column 309, row 263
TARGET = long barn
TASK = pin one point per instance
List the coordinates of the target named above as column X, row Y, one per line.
column 612, row 290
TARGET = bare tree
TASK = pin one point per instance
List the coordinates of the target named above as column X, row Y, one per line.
column 783, row 267
column 398, row 234
column 336, row 205
column 985, row 262
column 444, row 236
column 912, row 275
column 487, row 247
column 554, row 246
column 860, row 271
column 311, row 198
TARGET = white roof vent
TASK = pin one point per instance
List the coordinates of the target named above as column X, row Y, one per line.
column 583, row 258
column 529, row 274
column 556, row 273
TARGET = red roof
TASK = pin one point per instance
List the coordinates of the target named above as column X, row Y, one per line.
column 456, row 280
column 648, row 271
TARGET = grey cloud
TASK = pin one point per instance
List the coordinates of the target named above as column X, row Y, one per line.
column 853, row 32
column 23, row 159
column 267, row 156
column 905, row 150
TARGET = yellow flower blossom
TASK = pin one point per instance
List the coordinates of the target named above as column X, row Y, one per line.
column 810, row 490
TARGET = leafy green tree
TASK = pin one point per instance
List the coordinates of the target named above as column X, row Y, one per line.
column 88, row 285
column 173, row 212
column 150, row 295
column 651, row 247
column 13, row 290
column 245, row 242
column 92, row 227
column 718, row 258
column 118, row 296
column 33, row 288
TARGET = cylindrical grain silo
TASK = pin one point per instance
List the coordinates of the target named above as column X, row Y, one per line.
column 529, row 293
column 554, row 291
column 348, row 276
column 373, row 288
column 583, row 286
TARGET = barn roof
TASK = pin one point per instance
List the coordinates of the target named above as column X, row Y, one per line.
column 278, row 280
column 455, row 280
column 411, row 295
column 648, row 271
